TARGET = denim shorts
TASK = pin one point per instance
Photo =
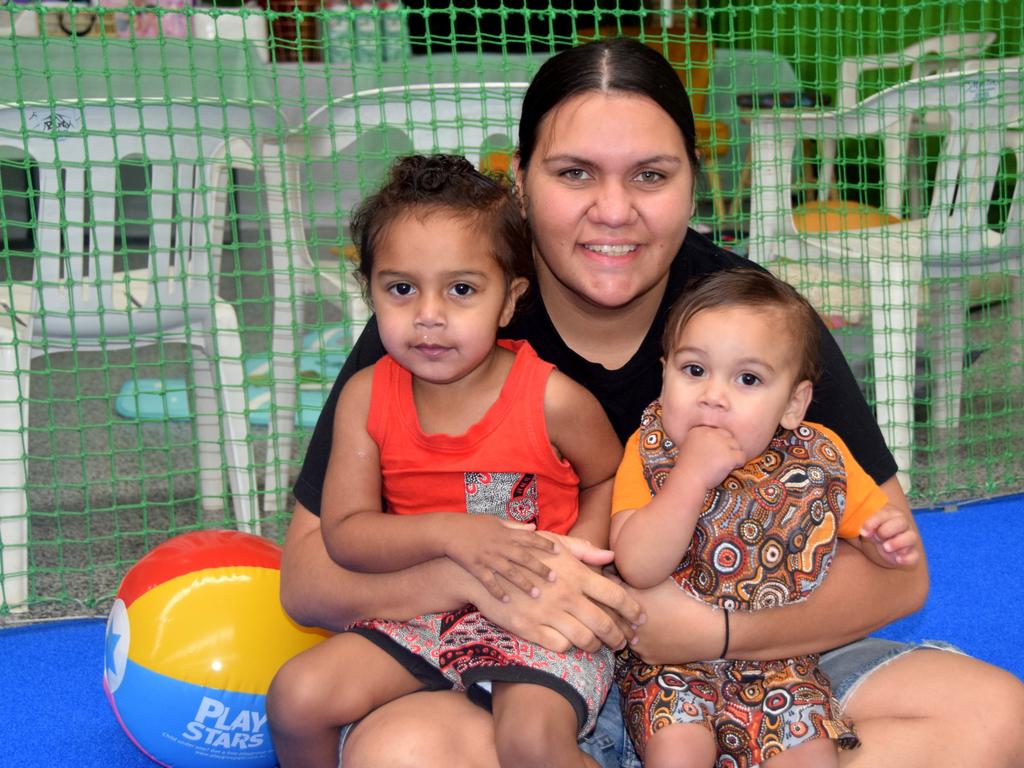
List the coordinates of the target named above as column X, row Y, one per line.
column 847, row 667
column 850, row 665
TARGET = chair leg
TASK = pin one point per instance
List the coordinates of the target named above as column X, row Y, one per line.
column 894, row 289
column 13, row 498
column 827, row 184
column 224, row 345
column 211, row 479
column 291, row 271
column 947, row 344
column 895, row 175
column 283, row 408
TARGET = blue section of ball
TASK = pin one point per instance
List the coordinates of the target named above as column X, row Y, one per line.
column 194, row 726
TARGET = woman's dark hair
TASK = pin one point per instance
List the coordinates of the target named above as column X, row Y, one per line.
column 616, row 64
column 449, row 185
column 747, row 287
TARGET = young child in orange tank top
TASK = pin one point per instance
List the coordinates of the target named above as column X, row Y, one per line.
column 453, row 445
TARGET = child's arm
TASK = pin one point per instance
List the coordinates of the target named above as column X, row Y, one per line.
column 359, row 536
column 650, row 541
column 888, row 539
column 884, row 532
column 580, row 432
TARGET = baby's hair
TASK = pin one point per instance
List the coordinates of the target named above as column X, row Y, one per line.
column 448, row 185
column 749, row 287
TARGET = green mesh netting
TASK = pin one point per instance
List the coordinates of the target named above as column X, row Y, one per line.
column 175, row 184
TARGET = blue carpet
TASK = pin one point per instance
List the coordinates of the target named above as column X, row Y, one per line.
column 57, row 715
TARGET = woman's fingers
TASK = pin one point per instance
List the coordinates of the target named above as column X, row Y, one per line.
column 520, row 580
column 583, row 550
column 488, row 578
column 614, row 596
column 528, row 536
column 526, row 559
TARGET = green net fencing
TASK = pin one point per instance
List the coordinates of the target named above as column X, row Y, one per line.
column 177, row 286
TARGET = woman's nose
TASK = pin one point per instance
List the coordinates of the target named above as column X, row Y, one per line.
column 613, row 205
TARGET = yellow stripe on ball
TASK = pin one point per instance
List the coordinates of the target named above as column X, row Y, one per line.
column 218, row 627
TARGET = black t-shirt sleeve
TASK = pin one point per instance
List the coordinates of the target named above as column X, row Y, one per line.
column 309, row 487
column 839, row 404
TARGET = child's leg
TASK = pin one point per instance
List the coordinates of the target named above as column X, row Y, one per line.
column 336, row 682
column 683, row 745
column 816, row 753
column 535, row 726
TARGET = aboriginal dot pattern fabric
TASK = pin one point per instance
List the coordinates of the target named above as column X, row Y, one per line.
column 765, row 537
column 468, row 649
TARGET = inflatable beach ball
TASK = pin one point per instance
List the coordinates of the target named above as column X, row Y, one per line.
column 193, row 640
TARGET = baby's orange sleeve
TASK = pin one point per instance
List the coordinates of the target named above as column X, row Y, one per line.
column 630, row 490
column 863, row 496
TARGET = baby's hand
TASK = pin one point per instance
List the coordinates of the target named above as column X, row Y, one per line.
column 893, row 537
column 710, row 453
column 486, row 546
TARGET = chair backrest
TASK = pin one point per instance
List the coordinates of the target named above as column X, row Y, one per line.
column 941, row 53
column 445, row 117
column 363, row 132
column 945, row 53
column 98, row 272
column 982, row 109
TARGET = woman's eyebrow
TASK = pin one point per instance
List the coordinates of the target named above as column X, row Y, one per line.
column 571, row 159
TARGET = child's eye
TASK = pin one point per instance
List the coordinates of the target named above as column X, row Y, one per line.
column 749, row 379
column 692, row 369
column 463, row 289
column 401, row 289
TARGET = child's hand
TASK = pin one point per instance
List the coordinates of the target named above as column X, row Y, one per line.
column 710, row 453
column 486, row 546
column 893, row 536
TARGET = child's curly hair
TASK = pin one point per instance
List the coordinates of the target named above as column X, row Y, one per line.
column 449, row 185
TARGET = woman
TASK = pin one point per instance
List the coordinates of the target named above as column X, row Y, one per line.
column 606, row 166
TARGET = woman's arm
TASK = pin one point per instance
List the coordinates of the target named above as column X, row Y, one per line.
column 580, row 432
column 856, row 598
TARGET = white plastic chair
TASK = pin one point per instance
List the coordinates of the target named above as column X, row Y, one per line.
column 943, row 53
column 246, row 24
column 22, row 23
column 82, row 298
column 886, row 269
column 355, row 138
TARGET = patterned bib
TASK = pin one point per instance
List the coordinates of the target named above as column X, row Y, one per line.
column 767, row 534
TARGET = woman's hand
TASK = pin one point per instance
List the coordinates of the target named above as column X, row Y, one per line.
column 580, row 608
column 499, row 553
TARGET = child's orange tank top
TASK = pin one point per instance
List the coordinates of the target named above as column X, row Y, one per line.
column 504, row 465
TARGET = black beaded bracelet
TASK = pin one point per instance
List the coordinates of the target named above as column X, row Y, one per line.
column 725, row 647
